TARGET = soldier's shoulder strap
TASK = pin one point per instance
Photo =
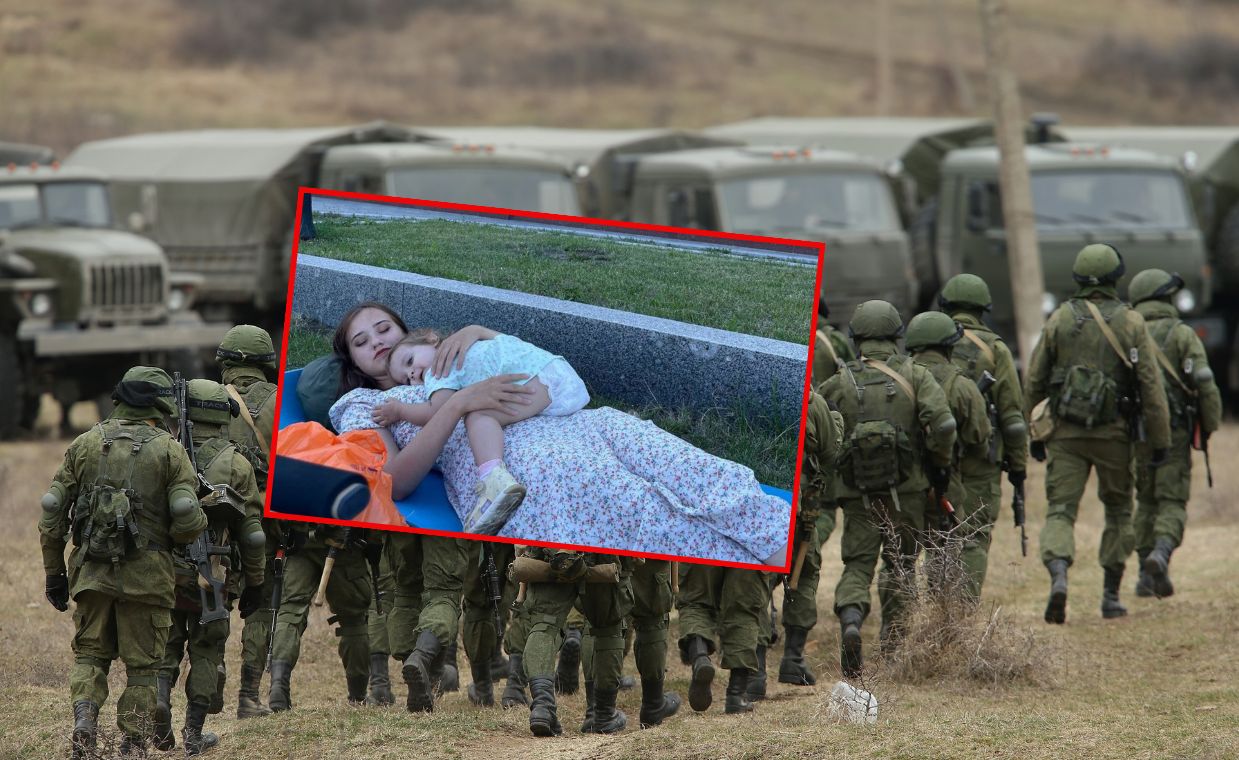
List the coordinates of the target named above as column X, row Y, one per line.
column 249, row 419
column 1168, row 366
column 896, row 375
column 980, row 343
column 824, row 340
column 1111, row 338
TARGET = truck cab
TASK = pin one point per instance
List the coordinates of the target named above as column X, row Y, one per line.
column 80, row 299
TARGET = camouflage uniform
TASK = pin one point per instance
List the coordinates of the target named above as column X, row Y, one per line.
column 1091, row 427
column 651, row 615
column 605, row 606
column 246, row 357
column 1162, row 493
column 924, row 420
column 825, row 364
column 124, row 603
column 965, row 297
column 728, row 601
column 238, row 525
column 482, row 642
column 932, row 336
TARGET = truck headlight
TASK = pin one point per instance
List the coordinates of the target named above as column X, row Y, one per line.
column 1048, row 304
column 177, row 299
column 40, row 304
column 1185, row 300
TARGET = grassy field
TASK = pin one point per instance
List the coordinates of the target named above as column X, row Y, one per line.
column 763, row 297
column 756, row 440
column 1163, row 682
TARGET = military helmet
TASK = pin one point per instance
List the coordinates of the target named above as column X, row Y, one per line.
column 875, row 320
column 247, row 345
column 966, row 291
column 933, row 328
column 208, row 403
column 1098, row 264
column 143, row 387
column 1154, row 283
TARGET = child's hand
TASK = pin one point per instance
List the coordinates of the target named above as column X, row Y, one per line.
column 386, row 413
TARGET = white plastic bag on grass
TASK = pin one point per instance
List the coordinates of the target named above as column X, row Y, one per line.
column 853, row 705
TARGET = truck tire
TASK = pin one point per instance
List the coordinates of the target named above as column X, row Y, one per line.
column 13, row 398
column 923, row 238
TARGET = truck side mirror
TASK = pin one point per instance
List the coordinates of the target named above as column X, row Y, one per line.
column 976, row 216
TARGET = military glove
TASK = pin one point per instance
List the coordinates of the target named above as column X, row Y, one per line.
column 1016, row 477
column 252, row 599
column 1159, row 457
column 940, row 479
column 57, row 591
column 1037, row 450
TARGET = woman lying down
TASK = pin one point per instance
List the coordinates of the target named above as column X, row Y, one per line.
column 503, row 421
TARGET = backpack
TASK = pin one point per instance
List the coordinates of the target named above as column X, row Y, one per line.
column 1087, row 397
column 105, row 517
column 1086, row 392
column 878, row 453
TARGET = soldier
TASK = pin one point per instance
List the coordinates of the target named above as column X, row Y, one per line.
column 965, row 297
column 1095, row 362
column 730, row 601
column 564, row 579
column 823, row 438
column 898, row 438
column 483, row 644
column 1195, row 405
column 234, row 514
column 125, row 494
column 247, row 362
column 830, row 348
column 380, row 693
column 931, row 337
column 651, row 616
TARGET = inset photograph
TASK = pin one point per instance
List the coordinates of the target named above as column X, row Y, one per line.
column 546, row 380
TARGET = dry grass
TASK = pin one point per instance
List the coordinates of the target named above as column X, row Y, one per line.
column 1160, row 683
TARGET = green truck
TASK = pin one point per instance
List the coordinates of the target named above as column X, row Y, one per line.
column 80, row 299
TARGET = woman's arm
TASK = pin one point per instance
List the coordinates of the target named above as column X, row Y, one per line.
column 411, row 464
column 455, row 346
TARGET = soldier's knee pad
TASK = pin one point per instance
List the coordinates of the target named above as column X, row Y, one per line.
column 355, row 629
column 93, row 662
column 543, row 623
column 140, row 677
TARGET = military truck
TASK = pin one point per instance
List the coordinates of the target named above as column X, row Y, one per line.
column 222, row 202
column 81, row 301
column 685, row 179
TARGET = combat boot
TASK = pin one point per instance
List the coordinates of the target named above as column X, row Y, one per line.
column 482, row 690
column 221, row 682
column 418, row 669
column 131, row 746
column 161, row 718
column 1144, row 583
column 446, row 675
column 196, row 740
column 567, row 673
column 380, row 682
column 280, row 697
column 1157, row 565
column 699, row 696
column 543, row 717
column 656, row 705
column 851, row 649
column 587, row 725
column 737, row 687
column 607, row 718
column 1056, row 607
column 514, row 690
column 757, row 681
column 357, row 688
column 792, row 668
column 1110, row 606
column 85, row 717
column 249, row 704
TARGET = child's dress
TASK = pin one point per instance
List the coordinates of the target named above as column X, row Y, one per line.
column 506, row 355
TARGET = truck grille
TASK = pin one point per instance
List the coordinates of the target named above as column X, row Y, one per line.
column 125, row 290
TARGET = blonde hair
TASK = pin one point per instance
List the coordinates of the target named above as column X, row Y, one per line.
column 423, row 336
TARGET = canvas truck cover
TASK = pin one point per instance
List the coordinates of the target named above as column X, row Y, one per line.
column 23, row 153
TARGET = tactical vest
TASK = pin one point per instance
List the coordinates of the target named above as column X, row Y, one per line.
column 111, row 520
column 246, row 438
column 883, row 433
column 947, row 375
column 1090, row 385
column 974, row 356
column 219, row 525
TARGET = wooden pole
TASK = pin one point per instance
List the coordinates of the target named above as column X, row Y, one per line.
column 886, row 71
column 1024, row 259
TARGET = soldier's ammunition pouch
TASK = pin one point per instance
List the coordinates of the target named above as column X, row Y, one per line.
column 1085, row 396
column 530, row 570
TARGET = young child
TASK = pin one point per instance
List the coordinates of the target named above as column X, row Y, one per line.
column 560, row 392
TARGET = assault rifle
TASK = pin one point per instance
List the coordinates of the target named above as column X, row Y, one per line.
column 200, row 550
column 1136, row 423
column 1017, row 508
column 991, row 410
column 1200, row 441
column 374, row 555
column 491, row 573
column 277, row 590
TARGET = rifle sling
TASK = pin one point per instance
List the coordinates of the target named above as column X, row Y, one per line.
column 1111, row 338
column 245, row 414
column 976, row 341
column 830, row 349
column 1171, row 372
column 892, row 374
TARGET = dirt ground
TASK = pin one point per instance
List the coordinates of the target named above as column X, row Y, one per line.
column 1163, row 682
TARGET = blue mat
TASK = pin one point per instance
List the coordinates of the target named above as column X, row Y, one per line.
column 427, row 507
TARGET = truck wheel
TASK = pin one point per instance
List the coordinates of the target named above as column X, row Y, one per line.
column 923, row 237
column 14, row 399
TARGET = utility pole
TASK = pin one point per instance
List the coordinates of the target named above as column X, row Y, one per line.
column 886, row 70
column 1023, row 257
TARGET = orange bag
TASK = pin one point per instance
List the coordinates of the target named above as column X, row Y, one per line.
column 359, row 451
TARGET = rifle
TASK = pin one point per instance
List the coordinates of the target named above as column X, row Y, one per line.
column 1017, row 508
column 373, row 558
column 200, row 551
column 949, row 520
column 491, row 573
column 1200, row 441
column 329, row 565
column 991, row 410
column 1138, row 433
column 277, row 591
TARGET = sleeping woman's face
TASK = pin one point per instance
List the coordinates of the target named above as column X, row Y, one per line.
column 371, row 336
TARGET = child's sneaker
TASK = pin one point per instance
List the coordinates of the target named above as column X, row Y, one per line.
column 498, row 497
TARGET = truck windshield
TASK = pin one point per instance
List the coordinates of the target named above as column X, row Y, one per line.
column 524, row 189
column 79, row 204
column 837, row 200
column 1111, row 198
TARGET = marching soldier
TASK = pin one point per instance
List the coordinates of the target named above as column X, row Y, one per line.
column 830, row 349
column 966, row 298
column 484, row 644
column 898, row 438
column 730, row 601
column 124, row 495
column 1096, row 364
column 234, row 515
column 1195, row 411
column 651, row 616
